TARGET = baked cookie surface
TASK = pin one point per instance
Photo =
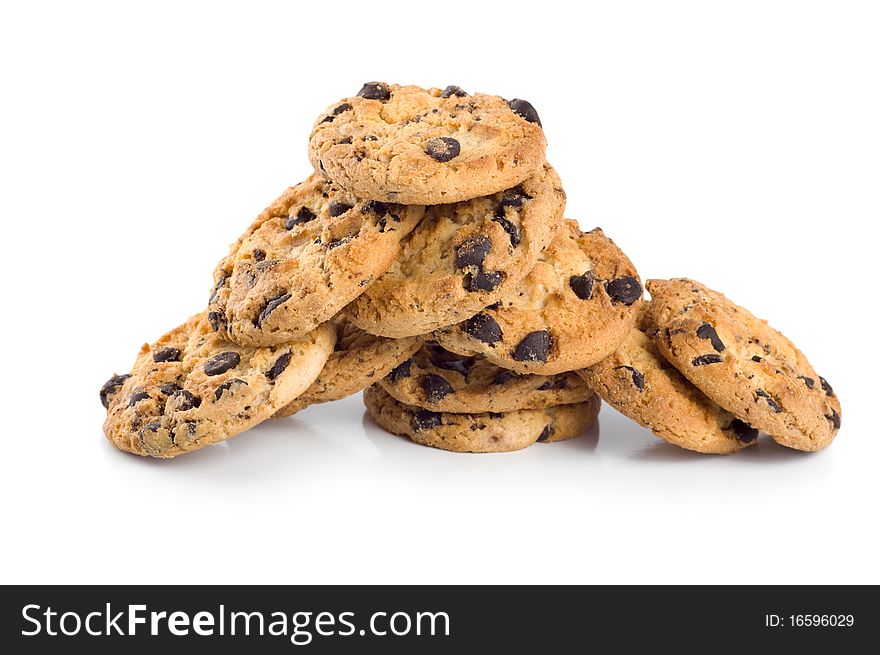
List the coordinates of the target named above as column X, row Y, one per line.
column 743, row 364
column 571, row 311
column 417, row 146
column 439, row 380
column 192, row 388
column 638, row 382
column 482, row 432
column 461, row 258
column 358, row 360
column 313, row 251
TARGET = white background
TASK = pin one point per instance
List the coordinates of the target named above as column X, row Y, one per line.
column 735, row 143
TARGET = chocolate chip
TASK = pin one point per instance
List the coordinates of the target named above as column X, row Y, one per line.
column 456, row 364
column 169, row 389
column 378, row 208
column 401, row 371
column 226, row 386
column 553, row 384
column 760, row 393
column 371, row 137
column 436, row 387
column 638, row 379
column 222, row 362
column 483, row 327
column 511, row 229
column 443, row 148
column 279, row 366
column 472, row 251
column 534, row 347
column 149, row 427
column 167, row 354
column 304, row 215
column 425, row 419
column 483, row 281
column 743, row 431
column 546, row 433
column 184, row 400
column 505, row 376
column 382, row 222
column 271, row 305
column 136, row 397
column 525, row 109
column 338, row 242
column 453, row 90
column 756, row 358
column 706, row 331
column 810, row 382
column 513, row 197
column 344, row 142
column 826, row 387
column 375, row 91
column 626, row 290
column 259, row 254
column 582, row 285
column 110, row 387
column 216, row 320
column 338, row 110
column 711, row 358
column 338, row 208
column 834, row 417
column 220, row 282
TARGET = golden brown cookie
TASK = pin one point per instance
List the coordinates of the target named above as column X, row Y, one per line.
column 743, row 364
column 313, row 251
column 480, row 433
column 572, row 310
column 461, row 258
column 193, row 388
column 417, row 146
column 437, row 379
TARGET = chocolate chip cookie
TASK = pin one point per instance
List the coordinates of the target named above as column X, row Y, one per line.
column 483, row 432
column 463, row 257
column 638, row 382
column 417, row 146
column 313, row 251
column 571, row 311
column 192, row 388
column 743, row 364
column 358, row 360
column 439, row 380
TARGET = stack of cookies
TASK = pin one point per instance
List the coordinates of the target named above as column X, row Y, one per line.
column 427, row 262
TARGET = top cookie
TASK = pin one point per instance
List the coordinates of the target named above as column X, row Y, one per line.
column 417, row 146
column 743, row 364
column 572, row 310
column 461, row 258
column 313, row 251
column 192, row 388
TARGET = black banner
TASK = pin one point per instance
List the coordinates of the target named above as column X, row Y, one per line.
column 283, row 619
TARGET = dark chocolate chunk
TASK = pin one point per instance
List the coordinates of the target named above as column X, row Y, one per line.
column 167, row 354
column 810, row 382
column 483, row 281
column 425, row 419
column 760, row 393
column 271, row 305
column 184, row 400
column 149, row 427
column 582, row 285
column 638, row 379
column 711, row 358
column 743, row 431
column 453, row 90
column 706, row 331
column 304, row 215
column 546, row 433
column 216, row 320
column 457, row 364
column 524, row 108
column 338, row 208
column 514, row 197
column 259, row 254
column 220, row 282
column 554, row 383
column 401, row 371
column 226, row 386
column 338, row 242
column 375, row 91
column 169, row 389
column 505, row 376
column 826, row 387
column 624, row 290
column 511, row 229
column 436, row 387
column 834, row 417
column 336, row 111
column 345, row 142
column 534, row 347
column 222, row 362
column 136, row 397
column 756, row 358
column 443, row 148
column 483, row 327
column 279, row 366
column 472, row 251
column 378, row 208
column 110, row 387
